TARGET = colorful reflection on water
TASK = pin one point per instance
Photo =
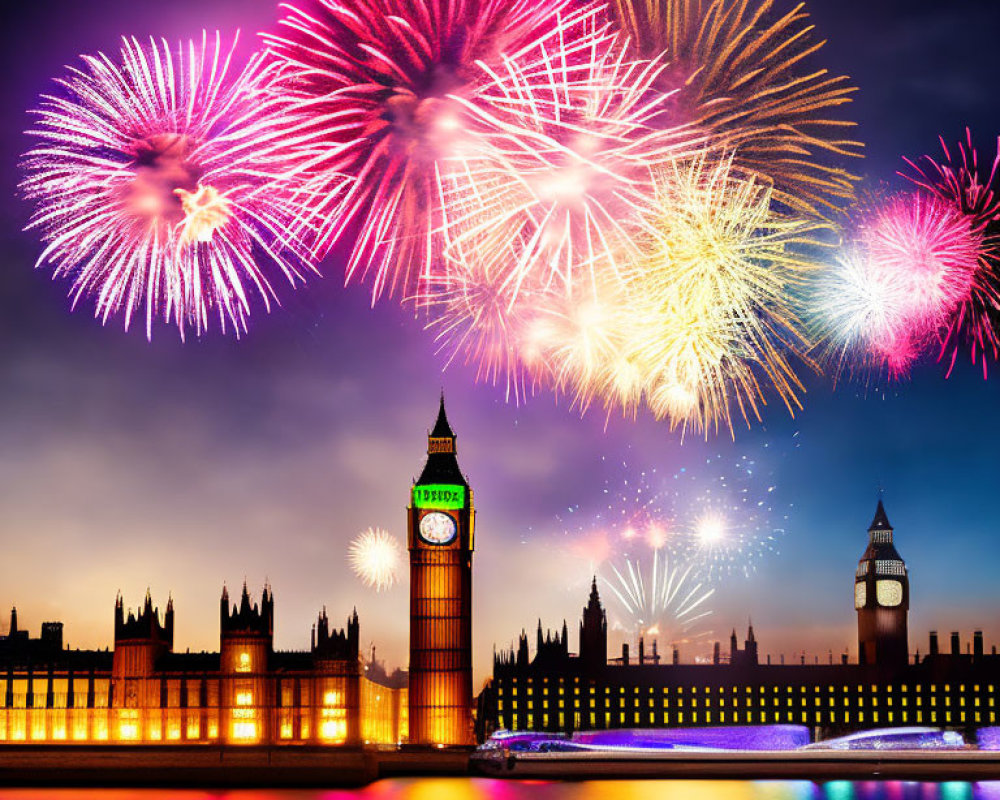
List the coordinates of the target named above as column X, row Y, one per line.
column 486, row 789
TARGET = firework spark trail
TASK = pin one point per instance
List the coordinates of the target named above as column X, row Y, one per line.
column 385, row 83
column 376, row 556
column 161, row 181
column 681, row 597
column 561, row 159
column 742, row 73
column 910, row 266
column 959, row 181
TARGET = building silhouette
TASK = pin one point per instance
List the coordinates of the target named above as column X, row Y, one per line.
column 557, row 690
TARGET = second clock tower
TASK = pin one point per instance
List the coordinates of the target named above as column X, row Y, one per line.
column 882, row 599
column 440, row 524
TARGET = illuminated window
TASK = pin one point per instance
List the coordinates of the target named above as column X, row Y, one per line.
column 244, row 730
column 243, row 663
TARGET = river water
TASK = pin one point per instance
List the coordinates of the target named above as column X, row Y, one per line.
column 485, row 789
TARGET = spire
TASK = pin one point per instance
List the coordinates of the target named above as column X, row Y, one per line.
column 880, row 521
column 13, row 621
column 441, row 428
column 442, row 464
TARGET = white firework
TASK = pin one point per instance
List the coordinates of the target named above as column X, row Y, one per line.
column 375, row 555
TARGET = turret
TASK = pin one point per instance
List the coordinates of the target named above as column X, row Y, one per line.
column 336, row 645
column 594, row 632
column 246, row 633
column 248, row 619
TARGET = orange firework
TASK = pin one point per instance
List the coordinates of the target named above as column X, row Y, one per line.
column 743, row 75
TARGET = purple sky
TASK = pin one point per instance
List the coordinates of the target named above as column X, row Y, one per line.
column 125, row 464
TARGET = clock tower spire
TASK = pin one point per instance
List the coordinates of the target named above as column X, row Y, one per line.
column 440, row 525
column 882, row 598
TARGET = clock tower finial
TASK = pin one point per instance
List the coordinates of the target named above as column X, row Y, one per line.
column 441, row 439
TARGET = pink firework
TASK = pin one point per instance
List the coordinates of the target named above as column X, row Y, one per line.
column 380, row 80
column 928, row 250
column 476, row 318
column 563, row 160
column 161, row 182
column 960, row 181
column 898, row 284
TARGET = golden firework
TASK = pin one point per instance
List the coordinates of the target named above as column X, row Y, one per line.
column 744, row 75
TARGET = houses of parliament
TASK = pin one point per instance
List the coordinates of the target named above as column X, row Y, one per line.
column 247, row 693
column 556, row 690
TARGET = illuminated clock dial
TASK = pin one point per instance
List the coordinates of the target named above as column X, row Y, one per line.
column 437, row 528
column 860, row 594
column 889, row 593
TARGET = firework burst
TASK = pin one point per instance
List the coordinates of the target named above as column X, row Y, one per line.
column 375, row 555
column 385, row 84
column 663, row 592
column 562, row 159
column 662, row 541
column 160, row 181
column 959, row 180
column 911, row 266
column 742, row 75
column 712, row 288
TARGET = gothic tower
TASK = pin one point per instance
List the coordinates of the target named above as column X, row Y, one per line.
column 594, row 633
column 140, row 641
column 246, row 635
column 882, row 599
column 440, row 523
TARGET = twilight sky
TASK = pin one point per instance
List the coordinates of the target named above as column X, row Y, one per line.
column 126, row 464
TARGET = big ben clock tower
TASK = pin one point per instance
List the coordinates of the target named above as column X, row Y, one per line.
column 882, row 599
column 440, row 523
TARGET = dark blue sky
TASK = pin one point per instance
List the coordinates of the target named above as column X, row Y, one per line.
column 125, row 464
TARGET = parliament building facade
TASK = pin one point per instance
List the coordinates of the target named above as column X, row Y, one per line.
column 247, row 693
column 555, row 690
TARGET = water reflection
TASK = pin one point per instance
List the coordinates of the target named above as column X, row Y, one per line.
column 488, row 789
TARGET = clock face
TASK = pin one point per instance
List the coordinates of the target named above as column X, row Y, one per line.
column 437, row 528
column 860, row 594
column 889, row 593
